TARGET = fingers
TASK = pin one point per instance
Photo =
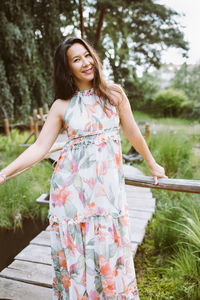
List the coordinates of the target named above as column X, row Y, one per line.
column 155, row 178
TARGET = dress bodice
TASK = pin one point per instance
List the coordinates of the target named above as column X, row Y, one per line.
column 85, row 116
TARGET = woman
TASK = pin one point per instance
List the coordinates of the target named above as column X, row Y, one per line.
column 90, row 244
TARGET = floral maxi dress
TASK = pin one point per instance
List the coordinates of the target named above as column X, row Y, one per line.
column 89, row 225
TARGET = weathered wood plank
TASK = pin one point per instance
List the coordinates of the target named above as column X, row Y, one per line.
column 43, row 239
column 129, row 170
column 48, row 228
column 134, row 247
column 137, row 230
column 138, row 237
column 137, row 224
column 142, row 204
column 143, row 209
column 138, row 214
column 32, row 273
column 138, row 195
column 15, row 290
column 34, row 253
column 137, row 189
column 178, row 185
column 43, row 199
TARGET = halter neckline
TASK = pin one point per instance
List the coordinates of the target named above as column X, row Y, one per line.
column 87, row 92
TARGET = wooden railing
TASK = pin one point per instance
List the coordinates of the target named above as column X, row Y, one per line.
column 177, row 185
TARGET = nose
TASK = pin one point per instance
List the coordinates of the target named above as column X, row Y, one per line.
column 85, row 61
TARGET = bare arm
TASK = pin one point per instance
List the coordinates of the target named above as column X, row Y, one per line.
column 133, row 134
column 43, row 143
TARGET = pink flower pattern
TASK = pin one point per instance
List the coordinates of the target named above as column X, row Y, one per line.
column 89, row 225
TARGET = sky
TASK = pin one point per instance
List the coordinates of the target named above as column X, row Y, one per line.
column 191, row 23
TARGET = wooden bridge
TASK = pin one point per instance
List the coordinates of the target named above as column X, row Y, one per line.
column 28, row 277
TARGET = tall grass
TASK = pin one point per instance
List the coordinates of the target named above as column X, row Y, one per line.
column 173, row 152
column 18, row 196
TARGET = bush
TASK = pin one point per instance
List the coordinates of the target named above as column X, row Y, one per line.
column 170, row 103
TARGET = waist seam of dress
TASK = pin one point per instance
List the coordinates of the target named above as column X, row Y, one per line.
column 82, row 219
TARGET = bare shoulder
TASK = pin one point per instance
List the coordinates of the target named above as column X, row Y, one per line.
column 117, row 92
column 59, row 107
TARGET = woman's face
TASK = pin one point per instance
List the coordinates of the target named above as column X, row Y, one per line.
column 81, row 65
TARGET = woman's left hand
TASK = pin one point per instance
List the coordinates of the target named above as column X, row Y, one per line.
column 157, row 172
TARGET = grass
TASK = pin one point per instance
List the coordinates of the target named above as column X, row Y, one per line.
column 144, row 117
column 153, row 275
column 191, row 127
column 170, row 272
column 168, row 261
column 18, row 196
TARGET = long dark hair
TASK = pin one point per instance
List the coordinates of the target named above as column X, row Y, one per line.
column 64, row 85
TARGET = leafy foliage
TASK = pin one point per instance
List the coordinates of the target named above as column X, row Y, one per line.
column 134, row 33
column 125, row 33
column 187, row 79
column 170, row 103
column 29, row 31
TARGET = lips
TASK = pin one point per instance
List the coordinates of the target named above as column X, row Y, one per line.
column 88, row 71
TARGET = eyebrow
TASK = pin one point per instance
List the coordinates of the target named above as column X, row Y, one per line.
column 79, row 55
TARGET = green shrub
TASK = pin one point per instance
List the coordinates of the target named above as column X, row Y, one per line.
column 170, row 103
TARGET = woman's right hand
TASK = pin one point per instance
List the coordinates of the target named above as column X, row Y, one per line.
column 2, row 180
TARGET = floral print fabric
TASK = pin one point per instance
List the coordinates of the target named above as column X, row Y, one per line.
column 89, row 225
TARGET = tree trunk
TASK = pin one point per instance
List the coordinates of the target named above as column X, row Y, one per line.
column 100, row 25
column 80, row 8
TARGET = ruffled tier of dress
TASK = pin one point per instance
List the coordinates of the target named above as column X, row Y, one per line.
column 93, row 258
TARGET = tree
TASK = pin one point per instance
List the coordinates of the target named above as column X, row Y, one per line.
column 30, row 31
column 125, row 33
column 130, row 33
column 141, row 28
column 187, row 79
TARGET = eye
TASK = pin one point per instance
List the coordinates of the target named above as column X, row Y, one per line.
column 76, row 59
column 87, row 54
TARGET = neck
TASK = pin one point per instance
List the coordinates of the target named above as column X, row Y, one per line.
column 84, row 85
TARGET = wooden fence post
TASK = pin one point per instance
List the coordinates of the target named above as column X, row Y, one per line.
column 41, row 115
column 46, row 108
column 31, row 123
column 35, row 123
column 6, row 127
column 147, row 131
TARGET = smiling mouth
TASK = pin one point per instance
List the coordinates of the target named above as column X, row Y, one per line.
column 88, row 71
